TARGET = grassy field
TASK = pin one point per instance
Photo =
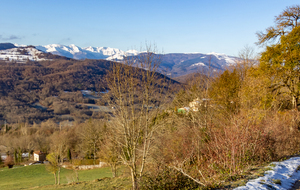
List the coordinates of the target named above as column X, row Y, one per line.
column 37, row 177
column 119, row 183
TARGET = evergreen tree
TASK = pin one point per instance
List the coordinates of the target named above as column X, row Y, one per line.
column 225, row 90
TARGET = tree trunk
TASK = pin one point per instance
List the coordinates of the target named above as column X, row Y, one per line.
column 15, row 156
column 144, row 158
column 294, row 103
column 55, row 178
column 133, row 178
column 58, row 176
column 94, row 157
column 76, row 171
column 113, row 169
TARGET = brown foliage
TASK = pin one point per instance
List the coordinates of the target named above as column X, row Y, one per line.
column 229, row 146
column 9, row 161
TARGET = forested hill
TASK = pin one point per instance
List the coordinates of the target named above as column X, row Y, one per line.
column 23, row 84
column 67, row 75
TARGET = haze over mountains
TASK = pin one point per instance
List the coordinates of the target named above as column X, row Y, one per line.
column 173, row 64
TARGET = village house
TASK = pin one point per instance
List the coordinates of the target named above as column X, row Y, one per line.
column 195, row 105
column 39, row 156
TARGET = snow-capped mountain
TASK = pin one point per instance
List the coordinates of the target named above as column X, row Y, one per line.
column 178, row 64
column 21, row 54
column 173, row 64
column 192, row 60
column 76, row 52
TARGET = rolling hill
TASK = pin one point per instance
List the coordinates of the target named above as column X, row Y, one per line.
column 52, row 87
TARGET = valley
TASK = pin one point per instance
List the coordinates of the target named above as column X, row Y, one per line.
column 76, row 117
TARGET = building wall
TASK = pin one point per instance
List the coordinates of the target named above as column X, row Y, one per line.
column 39, row 157
column 36, row 157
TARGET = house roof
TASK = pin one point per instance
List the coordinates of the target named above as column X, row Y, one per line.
column 38, row 152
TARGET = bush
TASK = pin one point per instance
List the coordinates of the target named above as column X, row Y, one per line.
column 166, row 178
column 71, row 96
column 86, row 112
column 9, row 161
column 61, row 108
column 228, row 145
column 84, row 161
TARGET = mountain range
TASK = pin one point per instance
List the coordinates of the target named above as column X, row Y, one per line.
column 55, row 75
column 173, row 64
column 76, row 52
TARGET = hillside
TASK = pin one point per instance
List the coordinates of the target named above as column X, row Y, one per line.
column 9, row 52
column 35, row 91
column 182, row 64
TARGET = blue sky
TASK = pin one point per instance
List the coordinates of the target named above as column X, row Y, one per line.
column 175, row 26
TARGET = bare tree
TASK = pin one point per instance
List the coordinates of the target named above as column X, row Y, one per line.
column 246, row 60
column 76, row 163
column 59, row 151
column 91, row 134
column 284, row 24
column 137, row 94
column 109, row 153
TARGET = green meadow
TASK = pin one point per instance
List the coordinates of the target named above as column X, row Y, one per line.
column 37, row 177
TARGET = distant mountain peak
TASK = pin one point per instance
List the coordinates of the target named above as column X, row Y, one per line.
column 22, row 54
column 76, row 52
column 175, row 64
column 4, row 46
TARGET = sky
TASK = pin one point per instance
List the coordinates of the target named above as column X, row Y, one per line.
column 174, row 26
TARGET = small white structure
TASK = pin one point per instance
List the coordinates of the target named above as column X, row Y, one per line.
column 194, row 105
column 39, row 156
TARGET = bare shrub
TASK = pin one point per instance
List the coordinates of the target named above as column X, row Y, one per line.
column 166, row 178
column 283, row 127
column 61, row 108
column 238, row 144
column 72, row 96
column 9, row 161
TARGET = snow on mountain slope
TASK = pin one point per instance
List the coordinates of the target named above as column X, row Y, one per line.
column 179, row 64
column 75, row 52
column 230, row 60
column 197, row 64
column 175, row 64
column 21, row 54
